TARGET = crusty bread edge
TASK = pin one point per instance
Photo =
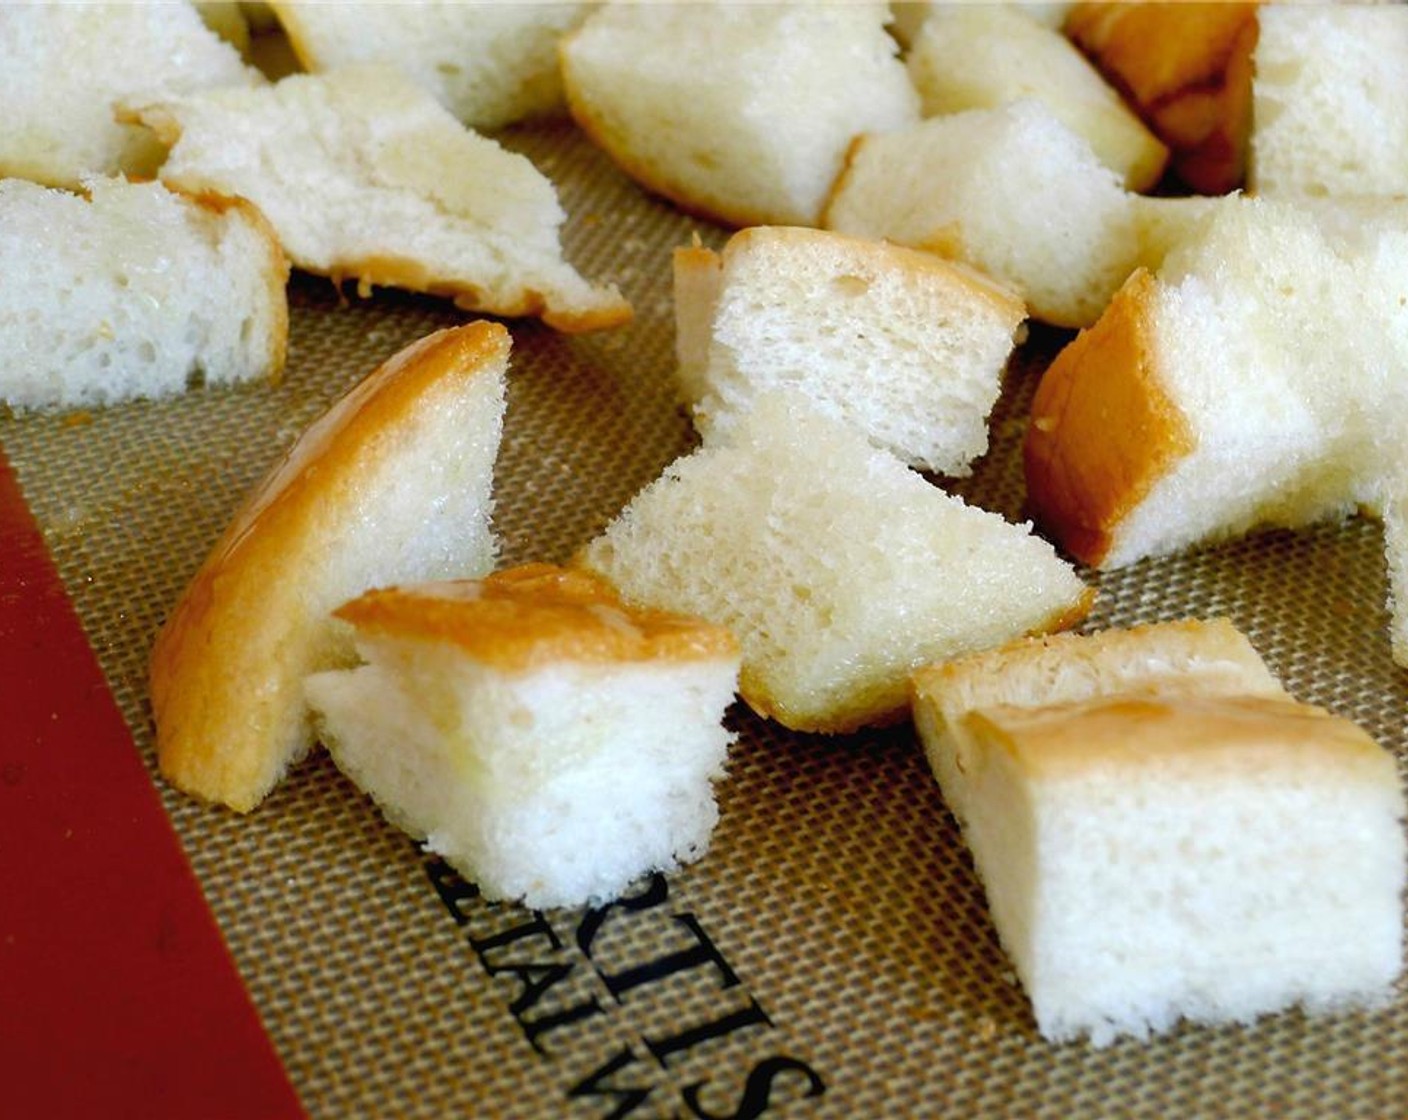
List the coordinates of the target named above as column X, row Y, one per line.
column 215, row 659
column 1103, row 430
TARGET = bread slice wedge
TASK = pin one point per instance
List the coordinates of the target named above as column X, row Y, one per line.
column 839, row 569
column 364, row 175
column 393, row 484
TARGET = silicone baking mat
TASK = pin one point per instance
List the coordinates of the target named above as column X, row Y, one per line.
column 831, row 955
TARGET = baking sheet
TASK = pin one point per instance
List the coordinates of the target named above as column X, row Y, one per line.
column 831, row 956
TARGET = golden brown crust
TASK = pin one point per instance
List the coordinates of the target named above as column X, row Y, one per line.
column 1168, row 645
column 1103, row 430
column 534, row 616
column 887, row 255
column 295, row 30
column 1186, row 68
column 227, row 667
column 1251, row 735
column 409, row 274
column 696, row 274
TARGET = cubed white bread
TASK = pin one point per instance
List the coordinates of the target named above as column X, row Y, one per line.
column 363, row 174
column 739, row 112
column 550, row 742
column 1011, row 191
column 1187, row 68
column 1252, row 383
column 392, row 484
column 133, row 291
column 981, row 56
column 1151, row 858
column 839, row 569
column 1171, row 658
column 1330, row 100
column 64, row 67
column 901, row 345
column 489, row 64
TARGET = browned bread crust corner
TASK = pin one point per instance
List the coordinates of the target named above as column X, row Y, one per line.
column 1187, row 69
column 1102, row 429
column 227, row 668
column 536, row 615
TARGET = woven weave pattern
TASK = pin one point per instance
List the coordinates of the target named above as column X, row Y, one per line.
column 831, row 956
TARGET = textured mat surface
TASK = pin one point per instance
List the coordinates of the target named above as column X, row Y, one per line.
column 831, row 956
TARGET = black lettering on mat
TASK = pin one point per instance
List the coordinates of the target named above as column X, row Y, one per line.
column 552, row 984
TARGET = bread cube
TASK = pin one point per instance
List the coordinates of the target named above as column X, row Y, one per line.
column 549, row 742
column 1250, row 383
column 1188, row 70
column 134, row 291
column 741, row 112
column 1011, row 191
column 903, row 346
column 1172, row 658
column 1148, row 858
column 981, row 56
column 839, row 569
column 489, row 64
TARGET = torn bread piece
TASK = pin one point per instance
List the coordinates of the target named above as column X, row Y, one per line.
column 552, row 743
column 363, row 174
column 489, row 64
column 839, row 569
column 1163, row 834
column 392, row 484
column 1011, row 191
column 133, row 291
column 982, row 56
column 901, row 345
column 66, row 67
column 740, row 112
